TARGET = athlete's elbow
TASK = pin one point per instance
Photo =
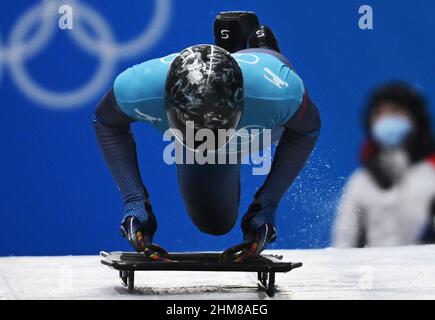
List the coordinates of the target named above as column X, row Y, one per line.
column 316, row 118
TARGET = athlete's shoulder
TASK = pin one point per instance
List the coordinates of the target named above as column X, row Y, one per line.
column 142, row 81
column 139, row 91
column 271, row 85
column 269, row 74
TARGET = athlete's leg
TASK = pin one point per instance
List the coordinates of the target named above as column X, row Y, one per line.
column 211, row 193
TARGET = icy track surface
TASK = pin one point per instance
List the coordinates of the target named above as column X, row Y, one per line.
column 386, row 273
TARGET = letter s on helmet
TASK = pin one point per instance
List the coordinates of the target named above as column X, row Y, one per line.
column 204, row 85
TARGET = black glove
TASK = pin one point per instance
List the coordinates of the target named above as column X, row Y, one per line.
column 136, row 233
column 258, row 226
column 232, row 30
column 260, row 213
column 140, row 236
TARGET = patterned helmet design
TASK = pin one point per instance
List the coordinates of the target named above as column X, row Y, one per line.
column 204, row 85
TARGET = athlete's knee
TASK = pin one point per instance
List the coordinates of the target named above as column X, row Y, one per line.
column 214, row 218
column 211, row 195
column 216, row 226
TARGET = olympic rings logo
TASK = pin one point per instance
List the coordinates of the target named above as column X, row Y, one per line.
column 103, row 46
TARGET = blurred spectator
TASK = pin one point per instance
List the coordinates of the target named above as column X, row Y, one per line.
column 390, row 200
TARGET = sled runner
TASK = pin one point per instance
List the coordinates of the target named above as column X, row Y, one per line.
column 266, row 266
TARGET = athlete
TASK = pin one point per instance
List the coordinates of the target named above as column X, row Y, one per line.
column 239, row 82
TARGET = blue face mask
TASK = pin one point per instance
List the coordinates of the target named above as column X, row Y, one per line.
column 391, row 131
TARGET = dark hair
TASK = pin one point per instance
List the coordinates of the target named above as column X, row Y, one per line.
column 419, row 146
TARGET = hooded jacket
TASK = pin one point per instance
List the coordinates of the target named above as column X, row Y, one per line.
column 379, row 208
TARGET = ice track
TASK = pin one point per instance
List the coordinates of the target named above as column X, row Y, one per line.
column 382, row 273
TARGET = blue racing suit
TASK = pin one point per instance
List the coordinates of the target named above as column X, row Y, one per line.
column 275, row 98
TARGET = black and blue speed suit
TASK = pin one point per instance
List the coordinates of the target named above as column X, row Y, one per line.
column 275, row 98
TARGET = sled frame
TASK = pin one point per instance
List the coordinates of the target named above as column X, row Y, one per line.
column 266, row 266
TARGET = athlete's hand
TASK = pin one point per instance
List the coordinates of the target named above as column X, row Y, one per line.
column 258, row 226
column 250, row 249
column 139, row 229
column 135, row 232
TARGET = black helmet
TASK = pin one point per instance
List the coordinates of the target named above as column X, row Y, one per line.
column 204, row 86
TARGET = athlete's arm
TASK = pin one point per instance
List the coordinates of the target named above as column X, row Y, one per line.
column 282, row 101
column 297, row 142
column 295, row 146
column 113, row 132
column 137, row 95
